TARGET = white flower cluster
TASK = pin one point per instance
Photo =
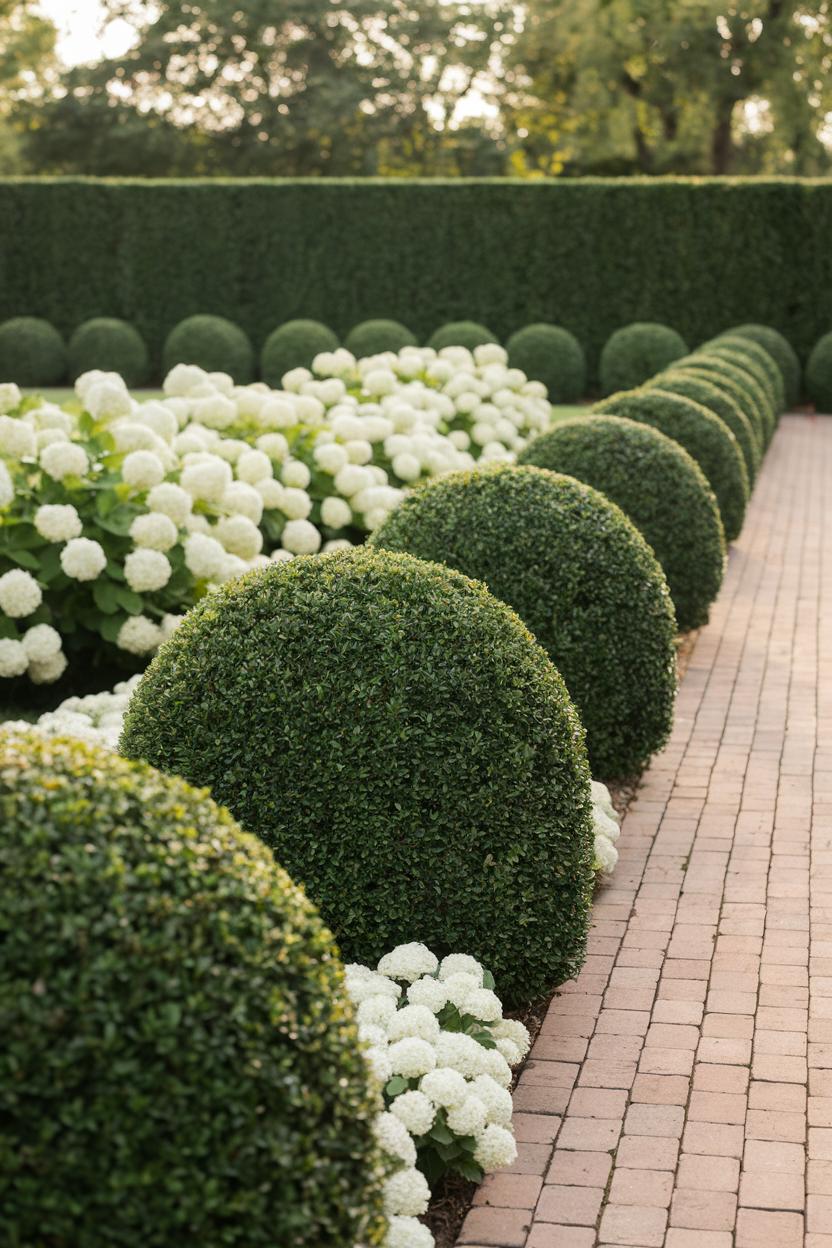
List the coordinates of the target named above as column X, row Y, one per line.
column 438, row 1043
column 37, row 651
column 96, row 718
column 606, row 821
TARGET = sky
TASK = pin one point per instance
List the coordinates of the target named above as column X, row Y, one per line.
column 81, row 32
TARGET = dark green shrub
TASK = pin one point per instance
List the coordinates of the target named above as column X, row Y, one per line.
column 550, row 354
column 398, row 738
column 755, row 381
column 32, row 352
column 701, row 390
column 373, row 337
column 581, row 577
column 703, row 435
column 294, row 345
column 635, row 353
column 212, row 342
column 765, row 367
column 179, row 1062
column 468, row 334
column 780, row 350
column 739, row 385
column 659, row 486
column 112, row 345
column 819, row 374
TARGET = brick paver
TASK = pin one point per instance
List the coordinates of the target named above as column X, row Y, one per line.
column 680, row 1092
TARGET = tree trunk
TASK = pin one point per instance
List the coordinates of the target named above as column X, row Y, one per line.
column 722, row 146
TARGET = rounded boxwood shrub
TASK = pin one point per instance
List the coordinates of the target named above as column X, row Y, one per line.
column 659, row 486
column 635, row 353
column 212, row 342
column 32, row 352
column 179, row 1061
column 468, row 334
column 112, row 345
column 582, row 578
column 740, row 386
column 374, row 337
column 819, row 374
column 780, row 350
column 753, row 377
column 395, row 734
column 294, row 345
column 550, row 354
column 766, row 369
column 703, row 435
column 695, row 386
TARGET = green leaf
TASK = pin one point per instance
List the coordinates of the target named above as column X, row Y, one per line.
column 105, row 596
column 130, row 601
column 25, row 558
column 396, row 1085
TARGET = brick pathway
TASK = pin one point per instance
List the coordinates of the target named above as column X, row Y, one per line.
column 680, row 1092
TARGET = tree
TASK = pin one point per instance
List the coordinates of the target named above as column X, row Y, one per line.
column 27, row 44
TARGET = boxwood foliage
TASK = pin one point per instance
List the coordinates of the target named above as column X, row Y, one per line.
column 766, row 368
column 294, row 345
column 468, row 334
column 395, row 734
column 373, row 337
column 781, row 351
column 32, row 352
column 636, row 352
column 212, row 342
column 180, row 1063
column 112, row 345
column 703, row 435
column 701, row 390
column 819, row 374
column 753, row 378
column 734, row 382
column 582, row 578
column 550, row 354
column 659, row 486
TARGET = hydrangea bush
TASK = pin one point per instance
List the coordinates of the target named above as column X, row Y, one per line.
column 118, row 515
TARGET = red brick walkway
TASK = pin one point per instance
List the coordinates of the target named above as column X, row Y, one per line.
column 680, row 1091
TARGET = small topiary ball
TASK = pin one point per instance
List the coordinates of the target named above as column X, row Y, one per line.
column 552, row 355
column 374, row 337
column 703, row 435
column 32, row 352
column 659, row 486
column 581, row 577
column 398, row 738
column 179, row 1062
column 635, row 353
column 753, row 379
column 112, row 345
column 780, row 350
column 763, row 366
column 701, row 390
column 468, row 334
column 294, row 345
column 739, row 385
column 212, row 342
column 819, row 374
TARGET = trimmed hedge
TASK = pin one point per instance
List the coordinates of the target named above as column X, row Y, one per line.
column 733, row 381
column 550, row 354
column 397, row 737
column 635, row 353
column 604, row 252
column 697, row 387
column 780, row 350
column 751, row 376
column 179, row 1060
column 764, row 367
column 374, row 337
column 819, row 374
column 294, row 345
column 582, row 578
column 468, row 334
column 212, row 342
column 32, row 352
column 659, row 486
column 111, row 345
column 703, row 435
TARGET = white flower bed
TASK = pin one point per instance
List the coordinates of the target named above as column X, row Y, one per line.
column 606, row 822
column 116, row 515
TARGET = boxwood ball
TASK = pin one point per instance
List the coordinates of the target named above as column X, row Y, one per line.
column 212, row 342
column 550, row 354
column 374, row 337
column 180, row 1063
column 294, row 345
column 819, row 374
column 579, row 574
column 408, row 751
column 781, row 351
column 112, row 345
column 635, row 353
column 32, row 352
column 468, row 334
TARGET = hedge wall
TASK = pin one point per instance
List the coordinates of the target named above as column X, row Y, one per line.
column 591, row 255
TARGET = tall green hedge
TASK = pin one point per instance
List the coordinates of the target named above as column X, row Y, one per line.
column 701, row 255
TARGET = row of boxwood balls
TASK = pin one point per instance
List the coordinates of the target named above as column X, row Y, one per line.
column 410, row 752
column 33, row 353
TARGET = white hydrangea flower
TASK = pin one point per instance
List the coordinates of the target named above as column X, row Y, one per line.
column 296, row 503
column 13, row 658
column 47, row 671
column 496, row 1148
column 444, row 1086
column 375, row 1011
column 512, row 1029
column 429, row 992
column 171, row 500
column 456, row 963
column 215, row 411
column 414, row 1020
column 494, row 1064
column 352, row 478
column 20, row 593
column 272, row 493
column 378, row 1063
column 169, row 624
column 41, row 642
column 461, row 1052
column 509, row 1051
column 242, row 499
column 239, row 536
column 17, row 439
column 204, row 556
column 10, row 396
column 338, row 543
column 6, row 486
column 300, row 537
column 64, row 459
column 160, row 418
column 483, row 1004
column 408, row 962
column 412, row 1057
column 107, row 399
column 416, row 1111
column 147, row 570
column 208, row 479
column 371, row 1035
column 407, row 467
column 295, row 474
column 58, row 522
column 394, row 1138
column 139, row 635
column 496, row 1099
column 154, row 530
column 606, row 855
column 336, row 513
column 83, row 559
column 281, row 556
column 182, row 379
column 467, row 1118
column 407, row 1233
column 406, row 1192
column 142, row 469
column 254, row 466
column 459, row 987
column 330, row 457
